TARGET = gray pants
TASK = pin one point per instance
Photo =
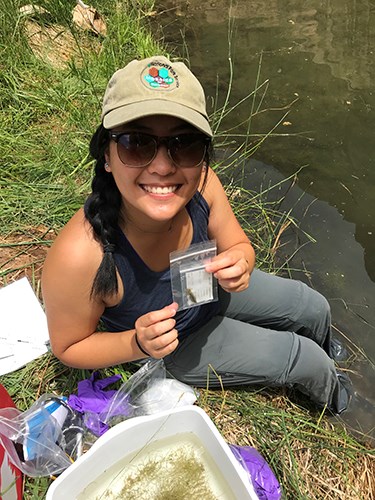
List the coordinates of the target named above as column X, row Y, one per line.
column 277, row 332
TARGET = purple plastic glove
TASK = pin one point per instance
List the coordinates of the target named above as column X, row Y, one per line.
column 263, row 479
column 93, row 401
column 91, row 396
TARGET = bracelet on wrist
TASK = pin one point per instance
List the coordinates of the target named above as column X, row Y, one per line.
column 139, row 345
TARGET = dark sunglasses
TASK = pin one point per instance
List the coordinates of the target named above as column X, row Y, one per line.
column 138, row 150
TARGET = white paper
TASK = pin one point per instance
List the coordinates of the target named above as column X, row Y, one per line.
column 23, row 326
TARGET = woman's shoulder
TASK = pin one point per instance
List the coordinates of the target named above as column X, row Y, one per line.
column 213, row 188
column 75, row 245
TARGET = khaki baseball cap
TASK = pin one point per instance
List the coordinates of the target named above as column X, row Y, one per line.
column 155, row 86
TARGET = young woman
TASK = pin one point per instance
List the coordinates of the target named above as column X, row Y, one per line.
column 153, row 193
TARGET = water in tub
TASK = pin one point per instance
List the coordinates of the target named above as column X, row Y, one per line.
column 177, row 467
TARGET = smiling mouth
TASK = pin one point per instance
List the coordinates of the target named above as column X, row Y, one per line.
column 159, row 189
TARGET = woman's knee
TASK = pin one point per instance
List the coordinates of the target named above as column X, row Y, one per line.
column 290, row 305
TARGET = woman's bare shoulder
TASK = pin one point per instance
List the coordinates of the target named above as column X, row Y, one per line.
column 75, row 247
column 213, row 188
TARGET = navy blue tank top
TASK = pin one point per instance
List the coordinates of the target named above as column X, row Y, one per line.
column 146, row 290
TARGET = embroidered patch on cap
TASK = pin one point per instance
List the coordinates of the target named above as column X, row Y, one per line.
column 160, row 76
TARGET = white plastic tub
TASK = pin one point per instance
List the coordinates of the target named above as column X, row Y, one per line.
column 124, row 441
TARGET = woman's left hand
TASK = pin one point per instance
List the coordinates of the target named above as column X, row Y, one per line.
column 231, row 270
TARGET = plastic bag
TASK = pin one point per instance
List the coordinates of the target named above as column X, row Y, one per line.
column 40, row 440
column 260, row 473
column 191, row 284
column 147, row 391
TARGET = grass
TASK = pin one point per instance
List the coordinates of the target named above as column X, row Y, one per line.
column 52, row 76
column 50, row 104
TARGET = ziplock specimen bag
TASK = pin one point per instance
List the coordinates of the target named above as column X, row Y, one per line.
column 191, row 284
column 41, row 440
column 147, row 391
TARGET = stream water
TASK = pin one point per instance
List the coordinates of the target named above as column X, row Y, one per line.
column 320, row 56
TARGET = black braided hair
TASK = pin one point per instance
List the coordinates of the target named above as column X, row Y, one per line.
column 102, row 210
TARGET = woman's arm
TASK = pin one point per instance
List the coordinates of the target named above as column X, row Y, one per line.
column 73, row 315
column 236, row 257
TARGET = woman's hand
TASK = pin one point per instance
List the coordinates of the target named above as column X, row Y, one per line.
column 231, row 270
column 155, row 331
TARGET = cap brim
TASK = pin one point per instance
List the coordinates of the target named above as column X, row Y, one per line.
column 134, row 111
